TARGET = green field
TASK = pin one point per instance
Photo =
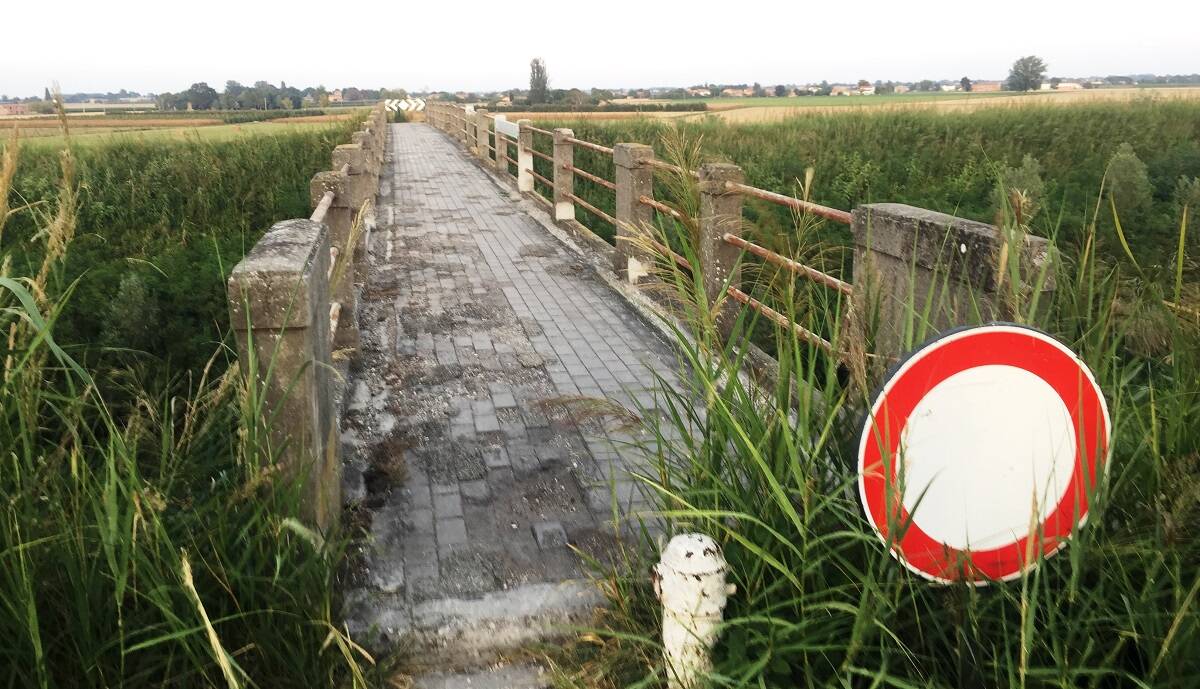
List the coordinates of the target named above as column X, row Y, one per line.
column 810, row 101
column 147, row 537
column 220, row 132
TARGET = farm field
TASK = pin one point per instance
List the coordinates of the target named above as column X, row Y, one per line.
column 91, row 130
column 750, row 110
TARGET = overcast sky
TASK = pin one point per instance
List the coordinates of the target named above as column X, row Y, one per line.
column 166, row 45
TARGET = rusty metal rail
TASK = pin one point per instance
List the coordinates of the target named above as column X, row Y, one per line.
column 663, row 165
column 589, row 145
column 539, row 154
column 792, row 265
column 318, row 214
column 660, row 207
column 803, row 206
column 532, row 128
column 780, row 319
column 541, row 179
column 593, row 210
column 589, row 176
column 667, row 251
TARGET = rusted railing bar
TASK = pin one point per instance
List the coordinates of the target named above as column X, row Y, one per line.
column 660, row 207
column 805, row 206
column 590, row 177
column 661, row 165
column 804, row 333
column 593, row 210
column 589, row 144
column 794, row 266
column 541, row 155
column 547, row 132
column 318, row 214
column 667, row 251
column 543, row 180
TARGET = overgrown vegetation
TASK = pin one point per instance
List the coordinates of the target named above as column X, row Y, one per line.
column 160, row 224
column 772, row 472
column 148, row 539
column 947, row 162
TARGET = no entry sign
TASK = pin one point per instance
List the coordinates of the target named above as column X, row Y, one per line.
column 981, row 452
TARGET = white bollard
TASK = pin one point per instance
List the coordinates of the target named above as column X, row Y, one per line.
column 689, row 581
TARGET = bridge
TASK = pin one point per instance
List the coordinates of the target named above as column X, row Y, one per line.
column 443, row 340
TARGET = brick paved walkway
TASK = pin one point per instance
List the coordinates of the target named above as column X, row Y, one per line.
column 473, row 317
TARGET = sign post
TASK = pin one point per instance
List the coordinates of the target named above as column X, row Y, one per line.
column 982, row 452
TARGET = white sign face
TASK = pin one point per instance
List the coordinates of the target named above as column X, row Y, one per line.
column 509, row 129
column 982, row 452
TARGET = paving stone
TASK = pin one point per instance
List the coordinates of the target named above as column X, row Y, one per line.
column 549, row 535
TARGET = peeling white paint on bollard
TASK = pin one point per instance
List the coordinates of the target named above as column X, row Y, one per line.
column 689, row 580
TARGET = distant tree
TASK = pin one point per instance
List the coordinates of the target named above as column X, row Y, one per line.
column 46, row 94
column 201, row 96
column 927, row 85
column 826, row 88
column 602, row 94
column 965, row 84
column 759, row 91
column 539, row 81
column 780, row 91
column 1055, row 81
column 1026, row 74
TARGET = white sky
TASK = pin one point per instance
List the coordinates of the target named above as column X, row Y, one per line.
column 166, row 45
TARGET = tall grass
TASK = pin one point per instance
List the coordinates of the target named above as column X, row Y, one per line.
column 771, row 473
column 149, row 542
column 160, row 224
column 942, row 161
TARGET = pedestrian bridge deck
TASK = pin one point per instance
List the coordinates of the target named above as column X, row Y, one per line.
column 477, row 322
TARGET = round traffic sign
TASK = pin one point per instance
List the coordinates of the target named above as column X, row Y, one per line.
column 981, row 453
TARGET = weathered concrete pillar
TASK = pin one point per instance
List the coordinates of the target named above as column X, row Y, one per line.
column 501, row 145
column 339, row 220
column 634, row 179
column 564, row 175
column 524, row 156
column 720, row 213
column 917, row 272
column 360, row 186
column 481, row 132
column 279, row 308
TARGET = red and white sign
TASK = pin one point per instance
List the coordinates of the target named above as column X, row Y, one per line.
column 981, row 453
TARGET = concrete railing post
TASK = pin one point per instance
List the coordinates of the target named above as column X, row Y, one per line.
column 918, row 271
column 481, row 132
column 634, row 178
column 501, row 146
column 720, row 213
column 564, row 175
column 525, row 156
column 339, row 220
column 279, row 307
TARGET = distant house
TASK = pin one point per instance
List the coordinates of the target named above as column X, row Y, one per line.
column 737, row 93
column 901, row 88
column 14, row 109
column 335, row 96
column 867, row 90
column 986, row 86
column 951, row 87
column 1070, row 86
column 699, row 93
column 840, row 90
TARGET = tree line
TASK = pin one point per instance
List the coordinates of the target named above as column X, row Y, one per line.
column 265, row 96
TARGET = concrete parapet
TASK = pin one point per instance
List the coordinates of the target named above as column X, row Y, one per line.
column 918, row 271
column 279, row 308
